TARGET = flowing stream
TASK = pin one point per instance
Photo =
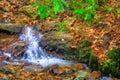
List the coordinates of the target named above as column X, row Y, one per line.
column 34, row 53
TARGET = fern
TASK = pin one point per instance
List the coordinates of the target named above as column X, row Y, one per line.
column 43, row 12
column 59, row 5
column 87, row 11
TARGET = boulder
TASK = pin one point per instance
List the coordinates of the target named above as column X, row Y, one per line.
column 12, row 28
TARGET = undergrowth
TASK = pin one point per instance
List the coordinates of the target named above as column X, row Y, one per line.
column 84, row 54
column 83, row 10
column 112, row 64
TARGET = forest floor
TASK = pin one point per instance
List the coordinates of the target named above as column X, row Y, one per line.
column 103, row 37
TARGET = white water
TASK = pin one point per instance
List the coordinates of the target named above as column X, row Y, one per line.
column 34, row 53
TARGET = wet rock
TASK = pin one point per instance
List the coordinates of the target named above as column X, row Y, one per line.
column 61, row 49
column 106, row 78
column 37, row 68
column 61, row 70
column 12, row 28
column 54, row 45
column 14, row 51
column 0, row 52
column 50, row 47
column 43, row 43
column 7, row 21
column 57, row 70
column 20, row 43
column 3, row 58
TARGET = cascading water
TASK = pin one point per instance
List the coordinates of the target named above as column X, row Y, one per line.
column 34, row 53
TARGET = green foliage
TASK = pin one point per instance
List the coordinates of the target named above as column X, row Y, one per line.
column 112, row 64
column 45, row 9
column 59, row 5
column 107, row 8
column 83, row 54
column 88, row 11
column 62, row 25
column 79, row 11
column 87, row 54
column 116, row 11
column 102, row 1
column 43, row 12
column 83, row 10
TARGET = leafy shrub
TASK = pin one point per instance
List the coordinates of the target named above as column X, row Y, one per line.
column 59, row 5
column 44, row 9
column 83, row 54
column 83, row 10
column 112, row 64
column 88, row 11
column 87, row 54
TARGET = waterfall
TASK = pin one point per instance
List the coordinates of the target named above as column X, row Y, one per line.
column 34, row 53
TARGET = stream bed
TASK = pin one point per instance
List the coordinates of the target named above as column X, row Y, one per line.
column 22, row 58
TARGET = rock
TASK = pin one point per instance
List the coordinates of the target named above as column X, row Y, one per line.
column 20, row 43
column 14, row 51
column 5, row 77
column 78, row 66
column 61, row 49
column 43, row 43
column 19, row 52
column 61, row 69
column 96, row 75
column 7, row 21
column 37, row 68
column 2, row 58
column 57, row 70
column 12, row 28
column 106, row 78
column 0, row 52
column 51, row 47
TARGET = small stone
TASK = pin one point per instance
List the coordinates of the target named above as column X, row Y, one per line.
column 5, row 77
column 78, row 66
column 96, row 75
column 20, row 43
column 57, row 70
column 37, row 68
